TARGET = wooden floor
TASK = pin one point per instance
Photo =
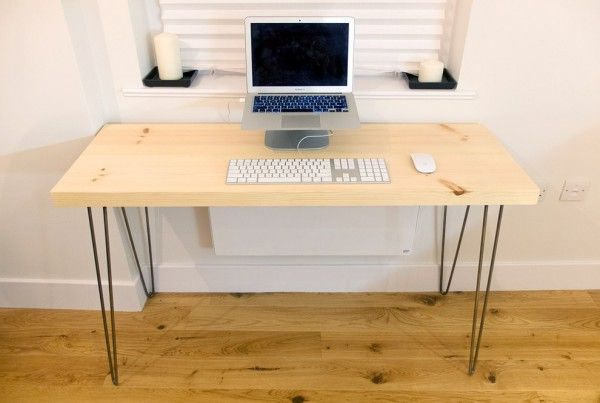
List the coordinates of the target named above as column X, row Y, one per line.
column 538, row 346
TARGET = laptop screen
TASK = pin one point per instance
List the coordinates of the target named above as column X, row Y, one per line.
column 299, row 54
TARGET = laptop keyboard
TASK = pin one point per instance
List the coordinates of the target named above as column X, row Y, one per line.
column 300, row 103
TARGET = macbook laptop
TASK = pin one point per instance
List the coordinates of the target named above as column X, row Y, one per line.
column 299, row 73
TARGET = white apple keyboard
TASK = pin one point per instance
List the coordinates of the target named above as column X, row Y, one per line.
column 307, row 170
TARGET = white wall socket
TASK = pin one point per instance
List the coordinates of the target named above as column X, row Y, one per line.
column 574, row 190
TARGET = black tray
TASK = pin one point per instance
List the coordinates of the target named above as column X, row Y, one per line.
column 448, row 82
column 152, row 79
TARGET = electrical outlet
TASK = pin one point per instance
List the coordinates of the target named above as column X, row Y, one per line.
column 574, row 190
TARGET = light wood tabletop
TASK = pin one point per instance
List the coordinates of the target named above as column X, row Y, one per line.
column 186, row 164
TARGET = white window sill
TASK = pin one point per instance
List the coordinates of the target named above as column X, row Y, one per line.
column 234, row 86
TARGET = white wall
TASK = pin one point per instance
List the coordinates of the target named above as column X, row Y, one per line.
column 533, row 65
column 47, row 117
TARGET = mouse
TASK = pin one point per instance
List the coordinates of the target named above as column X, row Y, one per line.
column 423, row 162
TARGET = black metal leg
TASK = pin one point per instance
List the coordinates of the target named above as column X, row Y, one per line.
column 476, row 306
column 474, row 352
column 460, row 238
column 150, row 293
column 149, row 249
column 112, row 355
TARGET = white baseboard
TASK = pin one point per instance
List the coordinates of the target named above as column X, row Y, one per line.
column 374, row 278
column 83, row 294
column 68, row 294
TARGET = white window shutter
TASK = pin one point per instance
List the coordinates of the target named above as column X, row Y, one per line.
column 391, row 35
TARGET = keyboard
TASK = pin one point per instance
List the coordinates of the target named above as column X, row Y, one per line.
column 308, row 170
column 300, row 103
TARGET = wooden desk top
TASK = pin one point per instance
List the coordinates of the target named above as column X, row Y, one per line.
column 186, row 164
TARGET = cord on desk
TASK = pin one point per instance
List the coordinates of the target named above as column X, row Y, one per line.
column 225, row 118
column 312, row 135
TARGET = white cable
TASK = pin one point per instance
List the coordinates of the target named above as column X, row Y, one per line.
column 211, row 71
column 312, row 135
column 417, row 223
column 230, row 72
column 374, row 73
column 241, row 72
column 225, row 118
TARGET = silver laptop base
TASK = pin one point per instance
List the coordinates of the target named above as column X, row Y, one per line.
column 289, row 139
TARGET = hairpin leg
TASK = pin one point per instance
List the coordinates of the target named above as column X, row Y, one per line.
column 474, row 351
column 460, row 238
column 135, row 255
column 112, row 356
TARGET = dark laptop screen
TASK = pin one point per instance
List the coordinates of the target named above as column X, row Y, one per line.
column 299, row 54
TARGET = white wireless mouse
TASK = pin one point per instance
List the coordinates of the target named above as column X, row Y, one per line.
column 423, row 163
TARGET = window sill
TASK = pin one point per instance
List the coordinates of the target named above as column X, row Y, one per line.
column 233, row 86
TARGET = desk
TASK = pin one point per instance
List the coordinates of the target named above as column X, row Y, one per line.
column 177, row 165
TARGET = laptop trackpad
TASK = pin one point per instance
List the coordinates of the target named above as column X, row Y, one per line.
column 300, row 121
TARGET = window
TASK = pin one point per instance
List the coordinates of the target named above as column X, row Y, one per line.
column 391, row 35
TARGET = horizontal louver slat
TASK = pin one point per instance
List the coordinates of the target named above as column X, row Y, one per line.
column 233, row 13
column 364, row 27
column 382, row 43
column 371, row 56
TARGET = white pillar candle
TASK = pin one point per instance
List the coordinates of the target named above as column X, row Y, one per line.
column 431, row 71
column 168, row 57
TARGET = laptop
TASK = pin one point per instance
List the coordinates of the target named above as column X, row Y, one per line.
column 299, row 73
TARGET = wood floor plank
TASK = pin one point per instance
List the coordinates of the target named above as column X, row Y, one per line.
column 206, row 344
column 386, row 319
column 68, row 341
column 45, row 370
column 495, row 346
column 158, row 314
column 161, row 395
column 43, row 319
column 461, row 300
column 398, row 374
column 238, row 344
column 537, row 346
